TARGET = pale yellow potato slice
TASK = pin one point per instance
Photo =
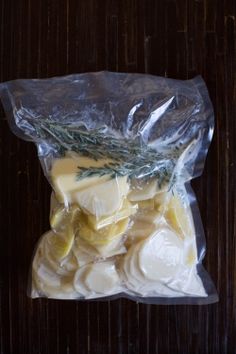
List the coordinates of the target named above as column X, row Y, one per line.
column 83, row 252
column 147, row 191
column 160, row 200
column 57, row 217
column 161, row 255
column 64, row 221
column 83, row 246
column 61, row 216
column 135, row 280
column 113, row 248
column 146, row 204
column 188, row 283
column 105, row 198
column 124, row 212
column 149, row 216
column 102, row 278
column 104, row 235
column 46, row 281
column 185, row 282
column 61, row 267
column 43, row 272
column 65, row 291
column 138, row 231
column 179, row 217
column 64, row 173
column 131, row 267
column 86, row 253
column 61, row 243
column 191, row 254
column 79, row 281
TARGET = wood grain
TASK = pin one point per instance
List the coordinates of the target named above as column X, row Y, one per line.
column 178, row 39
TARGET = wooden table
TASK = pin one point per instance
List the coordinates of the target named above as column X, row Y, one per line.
column 177, row 39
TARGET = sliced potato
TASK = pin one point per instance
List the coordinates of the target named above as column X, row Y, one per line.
column 102, row 278
column 57, row 217
column 126, row 210
column 146, row 204
column 149, row 216
column 113, row 248
column 161, row 255
column 64, row 176
column 160, row 200
column 79, row 281
column 46, row 281
column 104, row 235
column 62, row 216
column 104, row 198
column 61, row 243
column 144, row 192
column 83, row 252
column 138, row 231
column 178, row 217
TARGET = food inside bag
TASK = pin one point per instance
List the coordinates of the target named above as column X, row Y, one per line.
column 119, row 151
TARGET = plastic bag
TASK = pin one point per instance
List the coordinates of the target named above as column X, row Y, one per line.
column 119, row 151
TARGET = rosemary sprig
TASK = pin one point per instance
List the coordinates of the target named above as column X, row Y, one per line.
column 129, row 158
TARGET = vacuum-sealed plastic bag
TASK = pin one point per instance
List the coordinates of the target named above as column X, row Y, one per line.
column 119, row 151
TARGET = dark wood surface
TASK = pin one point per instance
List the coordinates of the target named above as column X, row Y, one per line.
column 178, row 39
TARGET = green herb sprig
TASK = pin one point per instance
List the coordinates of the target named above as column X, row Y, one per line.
column 129, row 157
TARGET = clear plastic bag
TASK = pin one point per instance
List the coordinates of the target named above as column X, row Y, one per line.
column 119, row 151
